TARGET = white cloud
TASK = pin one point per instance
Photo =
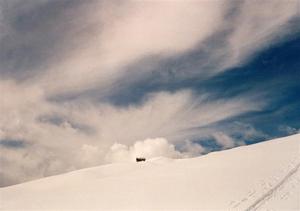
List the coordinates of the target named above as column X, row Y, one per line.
column 288, row 129
column 245, row 131
column 124, row 32
column 190, row 149
column 149, row 148
column 224, row 140
column 258, row 24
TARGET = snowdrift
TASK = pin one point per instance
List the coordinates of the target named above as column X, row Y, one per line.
column 263, row 176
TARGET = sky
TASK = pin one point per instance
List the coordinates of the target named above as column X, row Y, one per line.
column 85, row 83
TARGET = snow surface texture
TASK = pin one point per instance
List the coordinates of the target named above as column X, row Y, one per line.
column 264, row 176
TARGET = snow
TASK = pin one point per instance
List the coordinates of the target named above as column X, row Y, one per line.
column 264, row 176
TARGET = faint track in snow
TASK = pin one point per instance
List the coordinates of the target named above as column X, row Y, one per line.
column 256, row 204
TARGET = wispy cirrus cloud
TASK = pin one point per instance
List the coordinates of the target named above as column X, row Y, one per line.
column 90, row 44
column 62, row 137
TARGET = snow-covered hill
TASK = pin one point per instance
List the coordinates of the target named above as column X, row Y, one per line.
column 263, row 176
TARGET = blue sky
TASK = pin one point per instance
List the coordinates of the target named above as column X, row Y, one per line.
column 91, row 82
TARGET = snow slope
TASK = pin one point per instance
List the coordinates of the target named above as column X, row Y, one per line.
column 264, row 176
